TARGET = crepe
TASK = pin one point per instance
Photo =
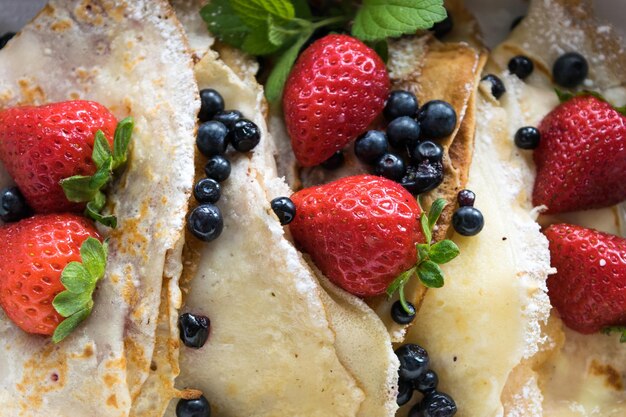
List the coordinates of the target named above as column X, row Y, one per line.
column 131, row 57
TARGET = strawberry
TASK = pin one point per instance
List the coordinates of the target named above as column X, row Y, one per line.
column 361, row 231
column 589, row 288
column 336, row 89
column 33, row 255
column 40, row 146
column 581, row 158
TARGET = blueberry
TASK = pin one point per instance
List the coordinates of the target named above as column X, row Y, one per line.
column 468, row 221
column 527, row 137
column 517, row 21
column 403, row 131
column 444, row 27
column 284, row 209
column 245, row 135
column 228, row 118
column 199, row 407
column 497, row 86
column 371, row 146
column 466, row 198
column 207, row 190
column 422, row 178
column 334, row 162
column 437, row 119
column 390, row 166
column 13, row 206
column 426, row 151
column 399, row 314
column 570, row 70
column 427, row 382
column 414, row 361
column 400, row 103
column 212, row 138
column 521, row 66
column 435, row 404
column 194, row 329
column 5, row 38
column 206, row 222
column 217, row 168
column 211, row 102
column 405, row 392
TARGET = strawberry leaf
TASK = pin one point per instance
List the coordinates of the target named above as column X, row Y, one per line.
column 616, row 329
column 443, row 252
column 121, row 141
column 68, row 325
column 67, row 303
column 400, row 281
column 101, row 149
column 94, row 257
column 76, row 278
column 430, row 274
column 77, row 188
column 428, row 235
column 621, row 110
column 563, row 95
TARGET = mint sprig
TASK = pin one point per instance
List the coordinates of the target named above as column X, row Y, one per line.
column 79, row 280
column 616, row 329
column 429, row 257
column 88, row 189
column 282, row 27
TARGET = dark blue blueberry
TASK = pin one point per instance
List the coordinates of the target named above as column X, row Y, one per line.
column 400, row 103
column 466, row 198
column 285, row 209
column 435, row 404
column 437, row 119
column 194, row 329
column 527, row 137
column 468, row 221
column 217, row 168
column 427, row 383
column 371, row 146
column 517, row 21
column 205, row 222
column 211, row 103
column 13, row 206
column 334, row 162
column 497, row 86
column 5, row 38
column 570, row 70
column 400, row 315
column 414, row 361
column 521, row 66
column 422, row 178
column 444, row 27
column 207, row 190
column 228, row 117
column 403, row 131
column 193, row 408
column 245, row 135
column 212, row 138
column 390, row 166
column 426, row 151
column 405, row 392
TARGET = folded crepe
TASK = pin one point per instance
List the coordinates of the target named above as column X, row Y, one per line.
column 131, row 57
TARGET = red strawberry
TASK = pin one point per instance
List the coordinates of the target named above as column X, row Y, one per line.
column 581, row 158
column 336, row 89
column 589, row 288
column 33, row 254
column 361, row 231
column 40, row 146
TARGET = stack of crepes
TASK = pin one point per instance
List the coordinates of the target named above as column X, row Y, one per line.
column 284, row 340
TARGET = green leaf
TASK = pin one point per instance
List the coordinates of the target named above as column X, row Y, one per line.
column 443, row 252
column 101, row 178
column 121, row 141
column 435, row 212
column 381, row 48
column 101, row 149
column 276, row 33
column 430, row 274
column 77, row 188
column 93, row 256
column 254, row 13
column 563, row 95
column 621, row 110
column 67, row 303
column 380, row 19
column 223, row 22
column 400, row 281
column 302, row 9
column 616, row 329
column 93, row 212
column 76, row 278
column 426, row 228
column 257, row 42
column 422, row 251
column 278, row 77
column 69, row 324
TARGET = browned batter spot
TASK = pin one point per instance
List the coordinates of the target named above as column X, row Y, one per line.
column 112, row 401
column 32, row 94
column 613, row 379
column 61, row 25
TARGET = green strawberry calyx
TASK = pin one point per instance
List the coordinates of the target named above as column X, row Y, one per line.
column 616, row 329
column 566, row 96
column 429, row 257
column 88, row 189
column 79, row 280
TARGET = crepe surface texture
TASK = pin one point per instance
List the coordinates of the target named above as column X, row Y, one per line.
column 131, row 56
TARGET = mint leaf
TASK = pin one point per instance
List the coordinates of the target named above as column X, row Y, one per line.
column 435, row 212
column 443, row 252
column 302, row 9
column 101, row 148
column 257, row 42
column 380, row 19
column 381, row 48
column 223, row 22
column 276, row 34
column 616, row 329
column 254, row 13
column 280, row 73
column 68, row 325
column 430, row 274
column 422, row 251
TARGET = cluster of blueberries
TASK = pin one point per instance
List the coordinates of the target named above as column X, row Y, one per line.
column 218, row 130
column 415, row 375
